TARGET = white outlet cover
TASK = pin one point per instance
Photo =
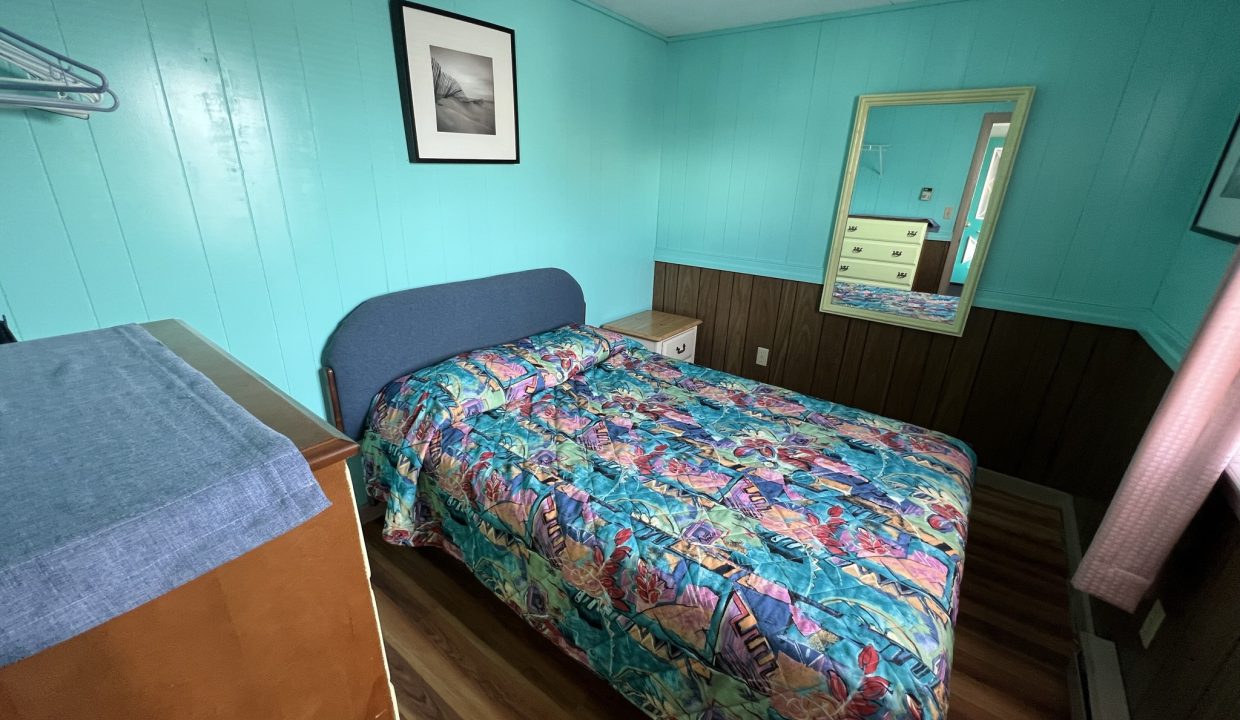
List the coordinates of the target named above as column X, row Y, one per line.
column 1153, row 621
column 764, row 355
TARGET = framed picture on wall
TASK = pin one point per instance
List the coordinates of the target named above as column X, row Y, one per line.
column 458, row 86
column 1219, row 215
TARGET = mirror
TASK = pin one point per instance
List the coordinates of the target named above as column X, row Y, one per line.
column 919, row 204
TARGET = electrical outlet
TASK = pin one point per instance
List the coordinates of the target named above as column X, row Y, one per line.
column 947, row 213
column 1153, row 621
column 764, row 354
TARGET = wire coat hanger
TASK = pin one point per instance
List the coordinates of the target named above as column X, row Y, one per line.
column 53, row 82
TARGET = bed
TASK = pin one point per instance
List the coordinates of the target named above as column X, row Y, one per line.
column 711, row 546
column 894, row 301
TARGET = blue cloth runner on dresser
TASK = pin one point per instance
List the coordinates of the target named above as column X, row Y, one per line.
column 125, row 473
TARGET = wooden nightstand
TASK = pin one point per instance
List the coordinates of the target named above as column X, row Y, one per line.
column 665, row 333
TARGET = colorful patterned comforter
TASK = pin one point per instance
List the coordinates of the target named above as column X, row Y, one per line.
column 712, row 546
column 904, row 303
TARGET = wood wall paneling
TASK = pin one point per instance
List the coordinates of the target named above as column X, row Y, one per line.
column 1052, row 401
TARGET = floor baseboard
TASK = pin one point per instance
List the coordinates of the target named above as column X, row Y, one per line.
column 1101, row 682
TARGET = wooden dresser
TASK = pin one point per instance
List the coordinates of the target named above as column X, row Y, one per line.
column 287, row 630
column 881, row 252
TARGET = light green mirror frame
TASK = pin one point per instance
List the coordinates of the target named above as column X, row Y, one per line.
column 906, row 149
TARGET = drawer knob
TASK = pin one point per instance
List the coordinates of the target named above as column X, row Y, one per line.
column 844, row 268
column 901, row 275
column 897, row 253
column 856, row 248
column 911, row 233
column 852, row 228
column 681, row 349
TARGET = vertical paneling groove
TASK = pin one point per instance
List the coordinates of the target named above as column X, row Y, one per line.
column 783, row 329
column 255, row 182
column 687, row 290
column 738, row 321
column 850, row 360
column 938, row 357
column 878, row 357
column 1003, row 365
column 961, row 372
column 827, row 361
column 708, row 295
column 797, row 355
column 760, row 327
column 1052, row 401
column 671, row 283
column 1065, row 382
column 723, row 312
column 906, row 373
column 660, row 276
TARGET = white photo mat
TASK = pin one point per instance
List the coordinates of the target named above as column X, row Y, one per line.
column 424, row 29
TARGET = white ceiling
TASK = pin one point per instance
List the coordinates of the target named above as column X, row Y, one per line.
column 685, row 17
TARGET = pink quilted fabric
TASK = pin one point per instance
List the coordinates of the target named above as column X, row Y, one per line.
column 1193, row 437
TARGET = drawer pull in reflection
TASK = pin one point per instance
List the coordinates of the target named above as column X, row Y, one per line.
column 681, row 349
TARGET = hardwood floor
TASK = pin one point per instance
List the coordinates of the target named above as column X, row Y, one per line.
column 456, row 652
column 1014, row 632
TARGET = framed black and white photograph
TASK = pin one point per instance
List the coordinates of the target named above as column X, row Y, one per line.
column 1219, row 215
column 458, row 86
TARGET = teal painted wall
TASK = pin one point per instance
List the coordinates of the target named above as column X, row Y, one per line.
column 1134, row 98
column 930, row 146
column 1193, row 274
column 255, row 183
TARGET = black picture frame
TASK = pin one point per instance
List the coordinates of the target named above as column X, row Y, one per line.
column 1197, row 227
column 400, row 43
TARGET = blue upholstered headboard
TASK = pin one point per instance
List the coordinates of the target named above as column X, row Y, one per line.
column 390, row 335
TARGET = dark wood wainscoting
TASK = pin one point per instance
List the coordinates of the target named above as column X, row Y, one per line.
column 1052, row 401
column 930, row 265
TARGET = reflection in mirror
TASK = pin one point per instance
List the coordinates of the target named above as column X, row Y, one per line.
column 925, row 178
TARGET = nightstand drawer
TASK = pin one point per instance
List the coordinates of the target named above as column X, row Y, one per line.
column 665, row 333
column 650, row 345
column 898, row 253
column 681, row 347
